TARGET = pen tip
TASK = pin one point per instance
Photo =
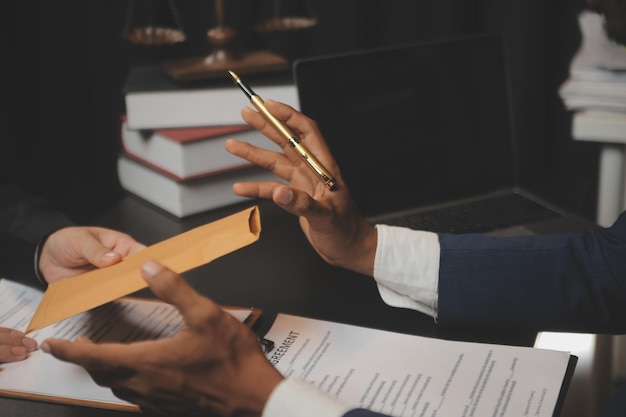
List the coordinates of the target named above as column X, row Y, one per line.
column 233, row 75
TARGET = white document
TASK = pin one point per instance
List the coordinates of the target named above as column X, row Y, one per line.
column 412, row 376
column 42, row 376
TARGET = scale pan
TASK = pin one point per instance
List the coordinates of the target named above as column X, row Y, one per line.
column 285, row 24
column 154, row 36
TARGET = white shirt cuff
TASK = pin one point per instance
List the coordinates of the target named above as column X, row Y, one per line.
column 406, row 268
column 297, row 398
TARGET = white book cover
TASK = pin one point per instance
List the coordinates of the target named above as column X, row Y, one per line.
column 589, row 94
column 187, row 153
column 153, row 101
column 611, row 90
column 184, row 198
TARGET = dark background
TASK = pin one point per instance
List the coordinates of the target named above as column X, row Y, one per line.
column 64, row 64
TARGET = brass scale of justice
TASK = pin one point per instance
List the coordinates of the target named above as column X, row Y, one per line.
column 220, row 38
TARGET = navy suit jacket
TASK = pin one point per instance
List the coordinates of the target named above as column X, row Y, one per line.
column 567, row 282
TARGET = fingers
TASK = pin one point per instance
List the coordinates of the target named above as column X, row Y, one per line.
column 302, row 126
column 14, row 346
column 299, row 203
column 64, row 350
column 173, row 289
column 257, row 121
column 255, row 189
column 117, row 242
column 276, row 162
column 292, row 171
column 297, row 121
column 106, row 363
column 97, row 254
column 290, row 166
column 292, row 200
column 73, row 250
column 81, row 246
column 12, row 353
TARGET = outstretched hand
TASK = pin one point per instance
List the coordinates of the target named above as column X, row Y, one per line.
column 213, row 364
column 74, row 250
column 68, row 252
column 330, row 220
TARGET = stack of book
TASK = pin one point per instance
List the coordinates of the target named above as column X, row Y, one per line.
column 172, row 139
column 596, row 88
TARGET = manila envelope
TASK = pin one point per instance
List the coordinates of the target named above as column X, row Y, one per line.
column 71, row 296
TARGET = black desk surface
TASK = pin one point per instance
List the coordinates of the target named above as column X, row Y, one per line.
column 278, row 273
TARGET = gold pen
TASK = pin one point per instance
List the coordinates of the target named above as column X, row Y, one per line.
column 282, row 128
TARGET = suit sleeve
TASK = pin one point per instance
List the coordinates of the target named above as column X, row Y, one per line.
column 24, row 219
column 566, row 282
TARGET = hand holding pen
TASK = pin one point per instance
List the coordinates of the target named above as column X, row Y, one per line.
column 287, row 134
column 329, row 219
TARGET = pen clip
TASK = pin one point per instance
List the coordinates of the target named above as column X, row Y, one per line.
column 266, row 344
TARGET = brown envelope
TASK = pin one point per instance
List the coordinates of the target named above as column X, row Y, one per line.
column 71, row 296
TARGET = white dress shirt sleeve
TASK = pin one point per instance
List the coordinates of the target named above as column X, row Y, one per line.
column 406, row 268
column 294, row 397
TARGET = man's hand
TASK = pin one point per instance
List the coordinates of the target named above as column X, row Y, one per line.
column 214, row 363
column 74, row 250
column 330, row 219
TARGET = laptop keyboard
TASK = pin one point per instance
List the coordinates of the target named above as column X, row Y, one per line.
column 476, row 217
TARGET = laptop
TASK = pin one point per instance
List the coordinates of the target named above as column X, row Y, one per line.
column 423, row 136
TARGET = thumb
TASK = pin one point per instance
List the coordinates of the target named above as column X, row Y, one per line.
column 173, row 289
column 98, row 255
column 298, row 203
column 105, row 257
column 63, row 349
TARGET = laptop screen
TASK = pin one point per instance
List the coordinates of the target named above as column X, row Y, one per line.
column 415, row 124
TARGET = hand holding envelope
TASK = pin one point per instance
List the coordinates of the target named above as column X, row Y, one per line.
column 188, row 250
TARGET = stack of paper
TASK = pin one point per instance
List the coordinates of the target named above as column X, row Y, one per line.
column 596, row 87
